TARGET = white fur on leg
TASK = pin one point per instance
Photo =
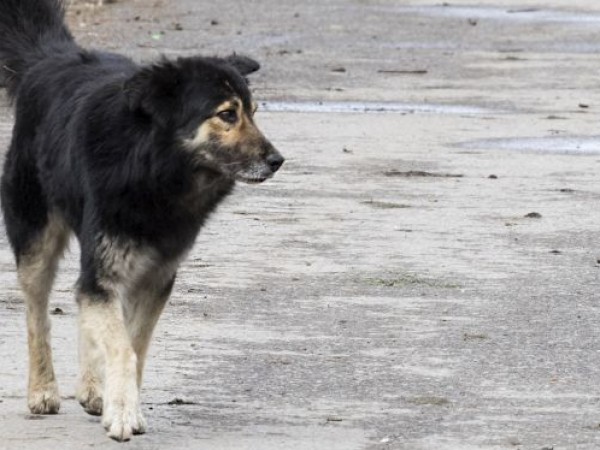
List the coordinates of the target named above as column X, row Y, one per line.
column 143, row 281
column 44, row 400
column 138, row 283
column 89, row 393
column 91, row 381
column 122, row 414
column 103, row 322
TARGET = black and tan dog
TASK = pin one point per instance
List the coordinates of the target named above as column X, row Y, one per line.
column 129, row 159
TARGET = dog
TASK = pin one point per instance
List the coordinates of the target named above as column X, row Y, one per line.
column 129, row 159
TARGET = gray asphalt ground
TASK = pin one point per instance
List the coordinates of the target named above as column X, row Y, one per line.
column 423, row 272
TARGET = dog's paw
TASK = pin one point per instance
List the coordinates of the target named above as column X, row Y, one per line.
column 123, row 420
column 44, row 400
column 90, row 397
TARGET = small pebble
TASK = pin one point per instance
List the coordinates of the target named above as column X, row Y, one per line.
column 533, row 215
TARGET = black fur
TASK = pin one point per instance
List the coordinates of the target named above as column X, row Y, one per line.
column 130, row 159
column 98, row 139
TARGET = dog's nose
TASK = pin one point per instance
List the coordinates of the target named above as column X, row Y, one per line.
column 275, row 160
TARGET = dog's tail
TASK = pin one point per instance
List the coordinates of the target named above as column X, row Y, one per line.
column 30, row 30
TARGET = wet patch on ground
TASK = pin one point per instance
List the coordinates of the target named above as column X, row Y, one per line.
column 574, row 145
column 370, row 107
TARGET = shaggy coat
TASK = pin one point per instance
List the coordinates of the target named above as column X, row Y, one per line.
column 131, row 160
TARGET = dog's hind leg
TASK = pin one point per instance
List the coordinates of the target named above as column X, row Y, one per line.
column 37, row 238
column 36, row 270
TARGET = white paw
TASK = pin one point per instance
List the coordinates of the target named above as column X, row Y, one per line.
column 122, row 419
column 89, row 396
column 44, row 400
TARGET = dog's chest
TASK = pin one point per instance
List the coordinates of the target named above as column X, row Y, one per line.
column 131, row 266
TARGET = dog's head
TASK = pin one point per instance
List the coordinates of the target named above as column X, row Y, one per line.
column 206, row 104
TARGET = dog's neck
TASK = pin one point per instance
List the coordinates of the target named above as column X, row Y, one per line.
column 208, row 189
column 186, row 217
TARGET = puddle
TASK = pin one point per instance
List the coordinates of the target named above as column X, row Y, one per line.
column 529, row 15
column 371, row 107
column 579, row 47
column 575, row 145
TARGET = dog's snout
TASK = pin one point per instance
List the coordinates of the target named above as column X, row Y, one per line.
column 275, row 160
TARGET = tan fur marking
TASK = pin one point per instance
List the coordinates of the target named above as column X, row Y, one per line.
column 142, row 313
column 36, row 271
column 243, row 134
column 234, row 103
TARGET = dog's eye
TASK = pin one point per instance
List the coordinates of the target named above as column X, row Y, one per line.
column 229, row 115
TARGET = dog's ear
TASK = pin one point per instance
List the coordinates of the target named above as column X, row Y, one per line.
column 243, row 64
column 153, row 90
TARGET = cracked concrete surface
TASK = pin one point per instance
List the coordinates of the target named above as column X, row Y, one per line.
column 356, row 301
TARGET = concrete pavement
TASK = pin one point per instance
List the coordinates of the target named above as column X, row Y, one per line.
column 423, row 275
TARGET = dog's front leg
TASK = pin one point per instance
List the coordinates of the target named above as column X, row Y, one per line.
column 142, row 312
column 91, row 381
column 103, row 325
